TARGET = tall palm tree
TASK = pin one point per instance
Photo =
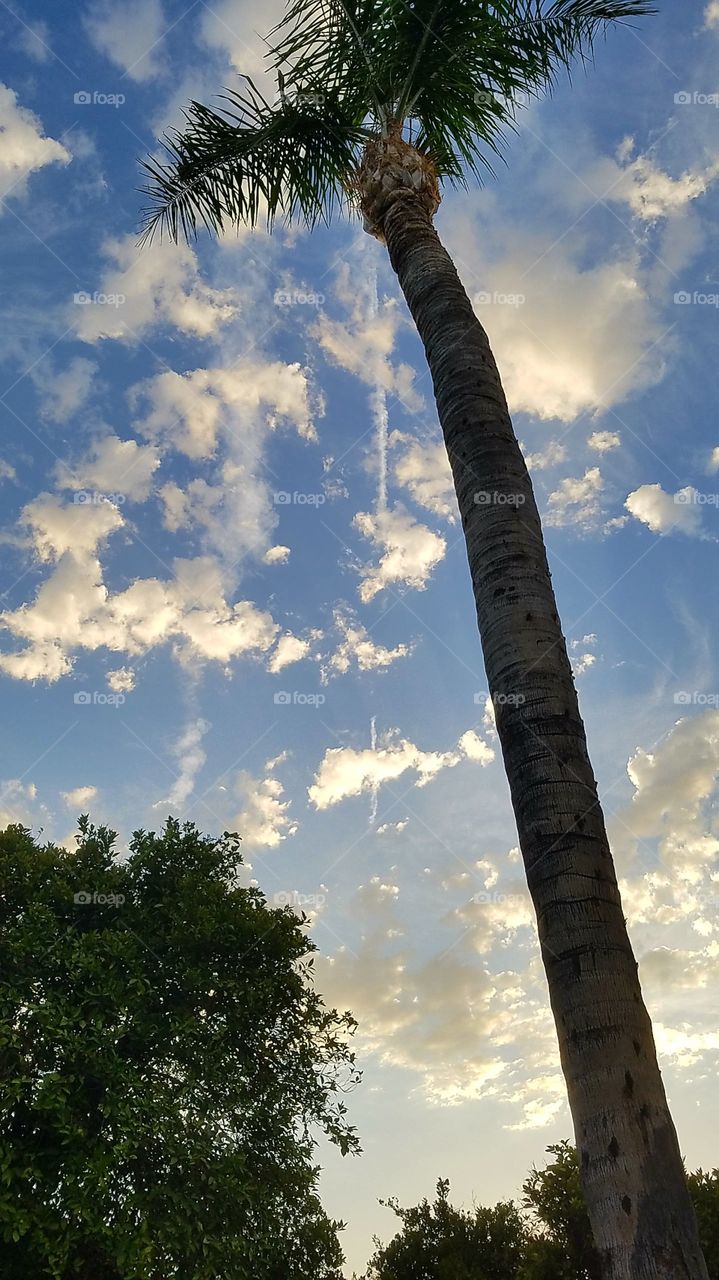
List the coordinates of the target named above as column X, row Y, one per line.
column 380, row 103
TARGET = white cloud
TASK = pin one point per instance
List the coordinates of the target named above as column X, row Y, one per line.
column 129, row 33
column 580, row 655
column 122, row 680
column 189, row 756
column 711, row 14
column 651, row 193
column 289, row 649
column 664, row 512
column 62, row 393
column 113, row 466
column 73, row 610
column 551, row 455
column 475, row 748
column 604, row 441
column 156, row 286
column 713, row 466
column 79, row 798
column 553, row 364
column 277, row 555
column 58, row 527
column 188, row 410
column 399, row 827
column 463, row 1031
column 424, row 469
column 674, row 784
column 17, row 802
column 356, row 647
column 346, row 771
column 34, row 40
column 410, row 551
column 24, row 149
column 263, row 821
column 364, row 343
column 576, row 502
column 235, row 28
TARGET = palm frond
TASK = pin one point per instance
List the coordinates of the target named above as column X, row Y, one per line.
column 459, row 68
column 251, row 160
column 454, row 71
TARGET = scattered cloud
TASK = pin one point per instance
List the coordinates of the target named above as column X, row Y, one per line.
column 347, row 771
column 122, row 680
column 604, row 441
column 189, row 757
column 674, row 784
column 576, row 502
column 189, row 410
column 554, row 365
column 25, row 149
column 665, row 512
column 157, row 286
column 63, row 392
column 79, row 797
column 424, row 469
column 129, row 33
column 551, row 455
column 113, row 466
column 356, row 648
column 289, row 649
column 263, row 821
column 410, row 551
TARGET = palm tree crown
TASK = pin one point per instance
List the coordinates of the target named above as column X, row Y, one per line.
column 449, row 73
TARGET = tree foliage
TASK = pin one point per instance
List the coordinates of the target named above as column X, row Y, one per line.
column 439, row 1242
column 454, row 72
column 548, row 1239
column 166, row 1062
column 704, row 1191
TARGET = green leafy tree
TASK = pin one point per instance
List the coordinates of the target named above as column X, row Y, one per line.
column 704, row 1191
column 562, row 1247
column 166, row 1062
column 439, row 1242
column 380, row 104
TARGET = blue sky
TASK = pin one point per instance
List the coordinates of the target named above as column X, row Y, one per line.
column 235, row 587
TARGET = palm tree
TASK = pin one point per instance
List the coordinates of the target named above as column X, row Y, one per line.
column 381, row 102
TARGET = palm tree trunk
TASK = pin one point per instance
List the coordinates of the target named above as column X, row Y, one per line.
column 632, row 1172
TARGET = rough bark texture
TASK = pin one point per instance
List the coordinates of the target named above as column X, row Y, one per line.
column 632, row 1171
